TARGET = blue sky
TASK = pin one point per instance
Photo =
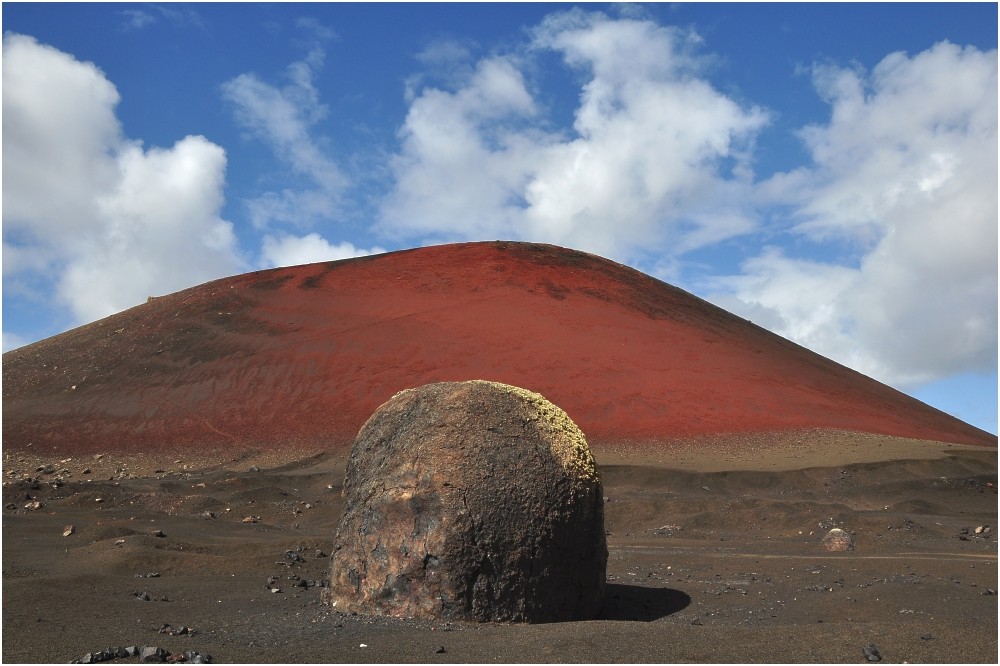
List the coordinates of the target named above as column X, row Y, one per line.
column 827, row 170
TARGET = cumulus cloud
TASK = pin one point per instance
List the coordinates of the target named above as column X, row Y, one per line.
column 109, row 221
column 284, row 119
column 904, row 177
column 657, row 159
column 289, row 250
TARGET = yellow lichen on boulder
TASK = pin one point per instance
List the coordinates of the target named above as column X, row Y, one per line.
column 568, row 443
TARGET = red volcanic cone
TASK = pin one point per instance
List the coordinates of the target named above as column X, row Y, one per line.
column 300, row 357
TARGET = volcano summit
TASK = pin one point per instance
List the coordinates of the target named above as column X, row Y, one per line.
column 298, row 358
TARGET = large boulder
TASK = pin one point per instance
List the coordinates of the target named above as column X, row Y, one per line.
column 471, row 501
column 838, row 541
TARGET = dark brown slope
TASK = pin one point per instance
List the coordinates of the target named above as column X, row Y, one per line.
column 300, row 357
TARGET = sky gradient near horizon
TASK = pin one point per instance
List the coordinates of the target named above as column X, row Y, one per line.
column 828, row 171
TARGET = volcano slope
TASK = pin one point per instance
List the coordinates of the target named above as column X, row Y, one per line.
column 298, row 358
column 202, row 437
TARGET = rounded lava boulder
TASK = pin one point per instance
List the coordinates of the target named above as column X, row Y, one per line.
column 471, row 501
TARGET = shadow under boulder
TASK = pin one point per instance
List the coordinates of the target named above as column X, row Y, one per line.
column 634, row 603
column 471, row 501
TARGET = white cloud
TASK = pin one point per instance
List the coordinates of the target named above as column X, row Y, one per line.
column 12, row 341
column 57, row 117
column 111, row 222
column 284, row 118
column 160, row 230
column 905, row 173
column 657, row 159
column 289, row 250
column 137, row 19
column 804, row 300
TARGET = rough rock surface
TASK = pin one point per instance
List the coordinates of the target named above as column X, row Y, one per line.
column 472, row 501
column 838, row 541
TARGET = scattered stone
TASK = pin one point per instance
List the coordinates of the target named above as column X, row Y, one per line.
column 208, row 514
column 158, row 533
column 275, row 590
column 69, row 529
column 871, row 652
column 86, row 471
column 666, row 530
column 151, row 654
column 254, row 468
column 837, row 541
column 151, row 574
column 926, row 637
column 148, row 654
column 981, row 529
column 34, row 505
column 320, row 553
column 464, row 501
column 251, row 519
column 142, row 596
column 440, row 650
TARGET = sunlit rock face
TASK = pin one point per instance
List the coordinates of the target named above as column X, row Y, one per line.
column 471, row 501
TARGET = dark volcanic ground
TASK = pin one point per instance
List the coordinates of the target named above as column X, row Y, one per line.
column 705, row 566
